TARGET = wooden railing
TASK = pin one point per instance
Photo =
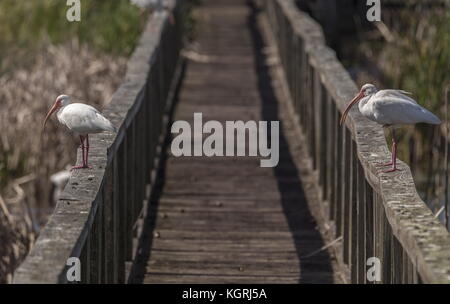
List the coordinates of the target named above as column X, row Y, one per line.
column 377, row 215
column 95, row 218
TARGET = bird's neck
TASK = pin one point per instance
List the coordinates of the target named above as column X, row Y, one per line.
column 60, row 110
column 363, row 102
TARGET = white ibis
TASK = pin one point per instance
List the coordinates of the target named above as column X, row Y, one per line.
column 81, row 119
column 155, row 5
column 390, row 108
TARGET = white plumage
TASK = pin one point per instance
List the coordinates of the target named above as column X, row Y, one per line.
column 82, row 119
column 391, row 109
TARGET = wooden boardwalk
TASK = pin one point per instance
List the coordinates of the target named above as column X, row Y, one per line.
column 226, row 219
column 315, row 218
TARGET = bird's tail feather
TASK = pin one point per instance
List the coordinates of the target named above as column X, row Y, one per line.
column 112, row 128
column 107, row 125
column 432, row 119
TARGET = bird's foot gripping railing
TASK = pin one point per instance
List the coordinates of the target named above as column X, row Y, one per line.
column 380, row 217
column 95, row 219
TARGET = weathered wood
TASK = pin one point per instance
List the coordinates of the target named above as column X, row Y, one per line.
column 394, row 211
column 226, row 219
column 353, row 233
column 362, row 226
column 88, row 221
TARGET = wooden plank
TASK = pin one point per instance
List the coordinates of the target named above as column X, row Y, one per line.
column 78, row 221
column 227, row 219
column 421, row 236
column 219, row 279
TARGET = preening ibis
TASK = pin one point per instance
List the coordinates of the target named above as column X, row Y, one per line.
column 391, row 109
column 82, row 119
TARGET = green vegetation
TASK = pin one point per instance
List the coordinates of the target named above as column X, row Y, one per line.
column 107, row 26
column 411, row 51
column 35, row 36
column 422, row 59
column 418, row 60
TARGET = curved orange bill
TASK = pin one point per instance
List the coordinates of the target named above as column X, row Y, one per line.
column 52, row 110
column 350, row 105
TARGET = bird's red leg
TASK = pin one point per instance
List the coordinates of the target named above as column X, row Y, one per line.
column 87, row 152
column 392, row 158
column 394, row 154
column 82, row 154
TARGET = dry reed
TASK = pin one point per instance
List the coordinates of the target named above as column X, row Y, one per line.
column 26, row 159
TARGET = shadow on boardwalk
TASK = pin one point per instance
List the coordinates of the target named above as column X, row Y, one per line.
column 313, row 269
column 306, row 238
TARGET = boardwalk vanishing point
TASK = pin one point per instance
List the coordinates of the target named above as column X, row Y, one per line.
column 323, row 214
column 226, row 219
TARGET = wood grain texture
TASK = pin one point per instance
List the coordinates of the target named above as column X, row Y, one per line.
column 226, row 219
column 398, row 215
column 86, row 222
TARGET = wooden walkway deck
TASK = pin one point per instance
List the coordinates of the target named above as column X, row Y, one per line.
column 227, row 220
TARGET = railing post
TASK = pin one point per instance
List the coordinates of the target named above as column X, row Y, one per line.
column 101, row 239
column 331, row 157
column 119, row 164
column 323, row 140
column 347, row 195
column 129, row 191
column 353, row 231
column 370, row 223
column 85, row 262
column 386, row 245
column 361, row 226
column 94, row 255
column 109, row 231
column 339, row 179
column 115, row 219
column 105, row 202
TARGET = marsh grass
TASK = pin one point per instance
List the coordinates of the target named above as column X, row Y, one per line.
column 28, row 159
column 111, row 27
column 417, row 59
column 43, row 55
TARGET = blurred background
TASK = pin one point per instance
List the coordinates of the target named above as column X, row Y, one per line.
column 43, row 55
column 410, row 50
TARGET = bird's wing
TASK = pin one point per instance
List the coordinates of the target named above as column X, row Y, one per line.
column 91, row 108
column 396, row 109
column 100, row 121
column 105, row 124
column 83, row 118
column 394, row 94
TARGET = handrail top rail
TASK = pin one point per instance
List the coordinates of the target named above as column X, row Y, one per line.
column 425, row 239
column 69, row 225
